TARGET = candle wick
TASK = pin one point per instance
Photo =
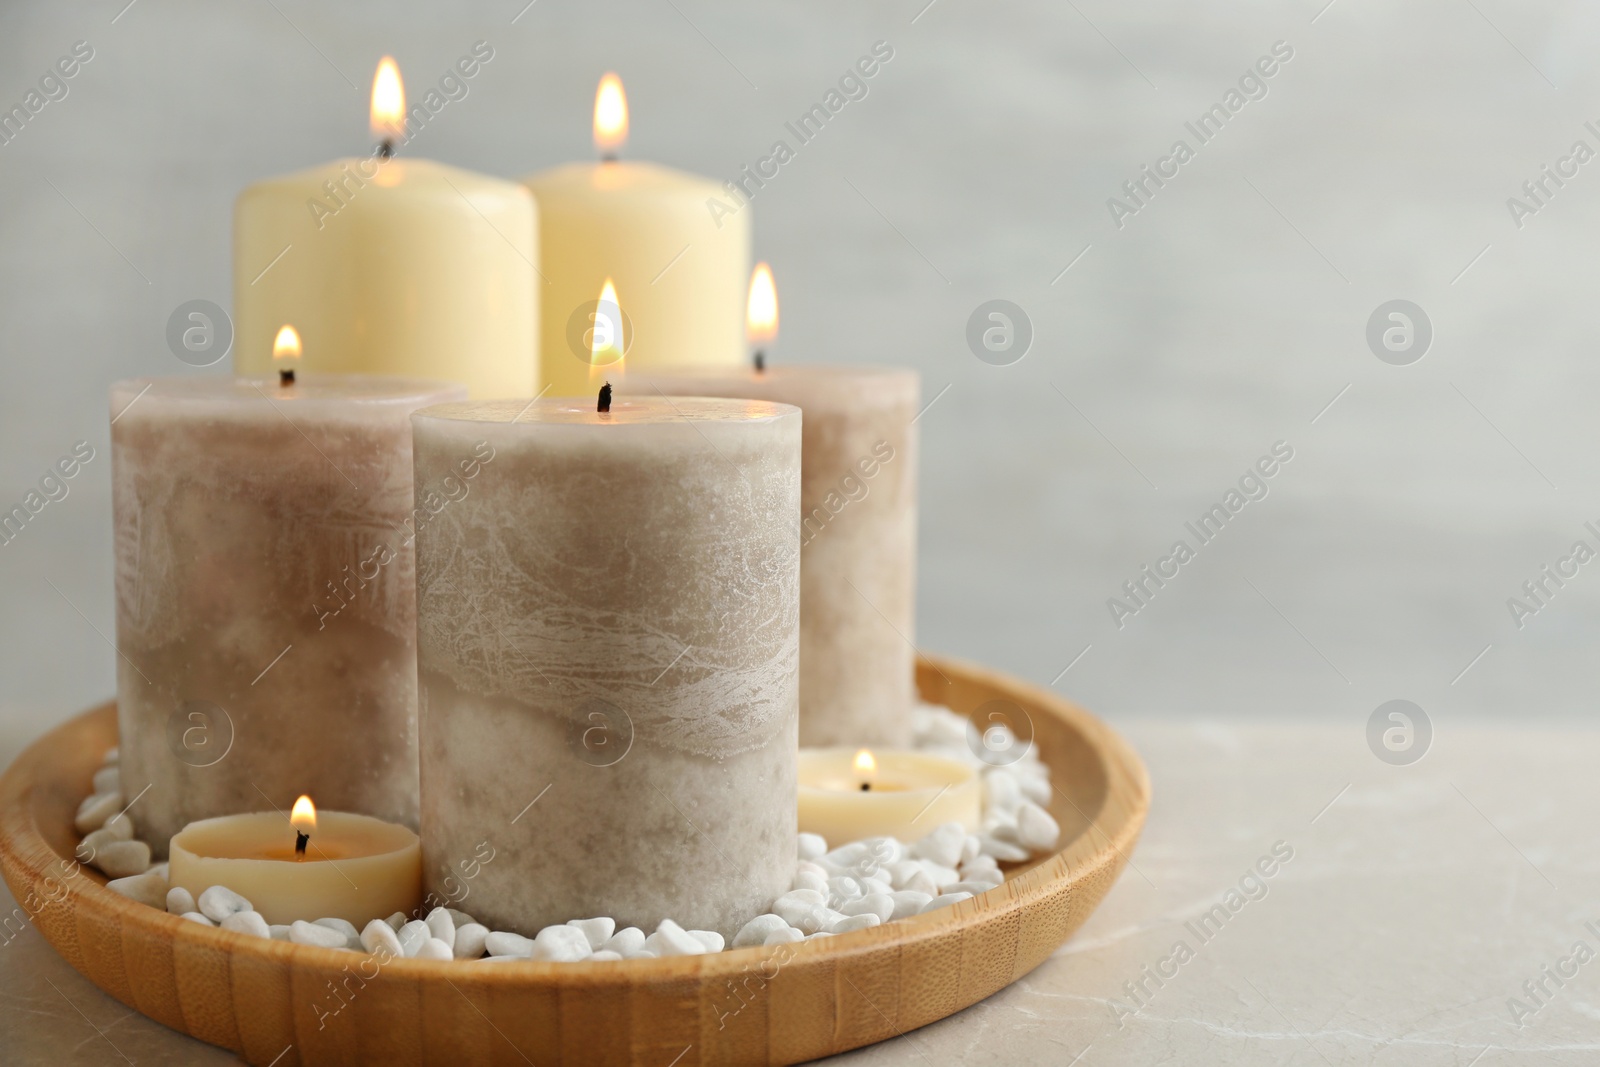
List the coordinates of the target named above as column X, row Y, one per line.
column 760, row 361
column 866, row 787
column 608, row 157
column 300, row 841
column 385, row 148
column 604, row 404
column 286, row 377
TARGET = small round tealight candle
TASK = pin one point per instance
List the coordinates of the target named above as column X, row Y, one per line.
column 849, row 794
column 329, row 864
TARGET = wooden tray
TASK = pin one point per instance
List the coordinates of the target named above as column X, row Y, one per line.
column 273, row 1002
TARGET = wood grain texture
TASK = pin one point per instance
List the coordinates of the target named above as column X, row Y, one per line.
column 273, row 1002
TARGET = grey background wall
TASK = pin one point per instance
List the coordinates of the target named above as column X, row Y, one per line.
column 1223, row 316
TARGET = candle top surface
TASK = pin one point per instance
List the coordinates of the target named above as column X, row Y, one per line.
column 827, row 384
column 307, row 388
column 632, row 411
column 269, row 837
column 409, row 172
column 629, row 175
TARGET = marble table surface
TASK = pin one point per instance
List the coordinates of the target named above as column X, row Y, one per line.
column 1416, row 902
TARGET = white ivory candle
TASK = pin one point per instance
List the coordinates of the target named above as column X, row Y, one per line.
column 391, row 265
column 679, row 272
column 845, row 797
column 608, row 634
column 355, row 867
column 265, row 600
column 858, row 536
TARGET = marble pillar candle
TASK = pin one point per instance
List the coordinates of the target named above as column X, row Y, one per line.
column 265, row 600
column 608, row 641
column 858, row 532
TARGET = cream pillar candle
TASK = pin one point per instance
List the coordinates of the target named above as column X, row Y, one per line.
column 391, row 266
column 679, row 271
column 851, row 794
column 858, row 536
column 354, row 867
column 265, row 599
column 608, row 633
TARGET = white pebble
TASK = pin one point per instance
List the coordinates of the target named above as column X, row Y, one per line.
column 843, row 888
column 304, row 933
column 561, row 944
column 945, row 901
column 971, row 848
column 642, row 954
column 670, row 939
column 597, row 930
column 810, row 846
column 875, row 885
column 817, row 883
column 196, row 917
column 434, row 949
column 505, row 943
column 92, row 842
column 886, row 850
column 164, row 869
column 413, row 935
column 628, row 941
column 854, row 922
column 941, row 875
column 112, row 757
column 95, row 810
column 970, row 888
column 814, row 868
column 784, row 936
column 344, row 926
column 922, row 882
column 983, row 877
column 180, row 900
column 942, row 846
column 1036, row 829
column 470, row 938
column 122, row 859
column 755, row 931
column 1001, row 791
column 909, row 902
column 379, row 938
column 120, row 826
column 503, row 959
column 1003, row 850
column 1037, row 789
column 279, row 933
column 879, row 904
column 441, row 927
column 712, row 940
column 818, row 918
column 461, row 918
column 107, row 780
column 845, row 857
column 396, row 921
column 604, row 956
column 247, row 922
column 147, row 888
column 796, row 903
column 219, row 902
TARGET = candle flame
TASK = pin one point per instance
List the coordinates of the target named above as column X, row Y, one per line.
column 761, row 313
column 304, row 816
column 388, row 101
column 286, row 348
column 607, row 344
column 610, row 116
column 865, row 765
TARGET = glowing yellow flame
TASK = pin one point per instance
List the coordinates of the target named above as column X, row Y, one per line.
column 388, row 101
column 610, row 116
column 286, row 348
column 605, row 348
column 761, row 313
column 304, row 816
column 865, row 765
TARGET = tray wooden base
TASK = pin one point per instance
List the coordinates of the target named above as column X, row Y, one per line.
column 281, row 1004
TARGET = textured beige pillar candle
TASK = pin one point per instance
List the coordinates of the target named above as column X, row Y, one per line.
column 679, row 270
column 608, row 644
column 391, row 266
column 265, row 597
column 858, row 537
column 355, row 867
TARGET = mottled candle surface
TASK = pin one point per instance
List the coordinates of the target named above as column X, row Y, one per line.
column 608, row 648
column 265, row 595
column 858, row 532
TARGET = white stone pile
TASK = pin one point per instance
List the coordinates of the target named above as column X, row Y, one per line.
column 851, row 887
